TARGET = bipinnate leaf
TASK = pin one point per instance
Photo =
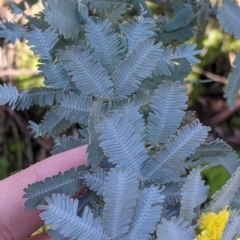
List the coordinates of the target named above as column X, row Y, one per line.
column 136, row 67
column 63, row 16
column 131, row 113
column 120, row 196
column 193, row 193
column 61, row 213
column 65, row 143
column 172, row 193
column 166, row 61
column 175, row 228
column 12, row 31
column 232, row 227
column 52, row 124
column 67, row 183
column 37, row 96
column 167, row 163
column 138, row 30
column 8, row 94
column 114, row 12
column 168, row 105
column 87, row 73
column 120, row 143
column 106, row 46
column 41, row 42
column 214, row 148
column 233, row 85
column 226, row 194
column 56, row 76
column 74, row 108
column 147, row 214
column 96, row 180
column 228, row 17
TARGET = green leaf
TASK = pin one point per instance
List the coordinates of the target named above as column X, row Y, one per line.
column 175, row 228
column 167, row 163
column 61, row 213
column 86, row 71
column 194, row 193
column 168, row 105
column 67, row 183
column 106, row 46
column 136, row 67
column 120, row 196
column 63, row 16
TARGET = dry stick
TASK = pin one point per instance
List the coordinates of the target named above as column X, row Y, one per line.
column 223, row 115
column 210, row 75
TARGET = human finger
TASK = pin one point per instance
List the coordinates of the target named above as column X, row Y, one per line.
column 16, row 224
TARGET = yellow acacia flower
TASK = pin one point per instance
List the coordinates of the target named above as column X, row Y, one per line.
column 211, row 225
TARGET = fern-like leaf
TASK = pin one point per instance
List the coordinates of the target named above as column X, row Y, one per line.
column 233, row 85
column 168, row 104
column 61, row 213
column 120, row 196
column 134, row 68
column 106, row 46
column 138, row 30
column 232, row 228
column 41, row 42
column 67, row 183
column 55, row 75
column 168, row 162
column 166, row 61
column 176, row 228
column 51, row 125
column 63, row 16
column 8, row 94
column 225, row 195
column 114, row 12
column 120, row 143
column 87, row 72
column 215, row 148
column 131, row 113
column 74, row 108
column 228, row 17
column 146, row 215
column 40, row 96
column 194, row 193
column 95, row 152
column 230, row 161
column 172, row 192
column 65, row 143
column 11, row 31
column 96, row 180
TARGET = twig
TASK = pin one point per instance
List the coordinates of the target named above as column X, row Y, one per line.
column 223, row 115
column 210, row 75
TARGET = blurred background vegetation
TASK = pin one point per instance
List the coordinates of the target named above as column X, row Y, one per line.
column 18, row 148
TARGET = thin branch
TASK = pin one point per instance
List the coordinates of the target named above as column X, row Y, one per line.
column 210, row 75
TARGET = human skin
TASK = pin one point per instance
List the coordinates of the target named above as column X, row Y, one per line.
column 16, row 224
